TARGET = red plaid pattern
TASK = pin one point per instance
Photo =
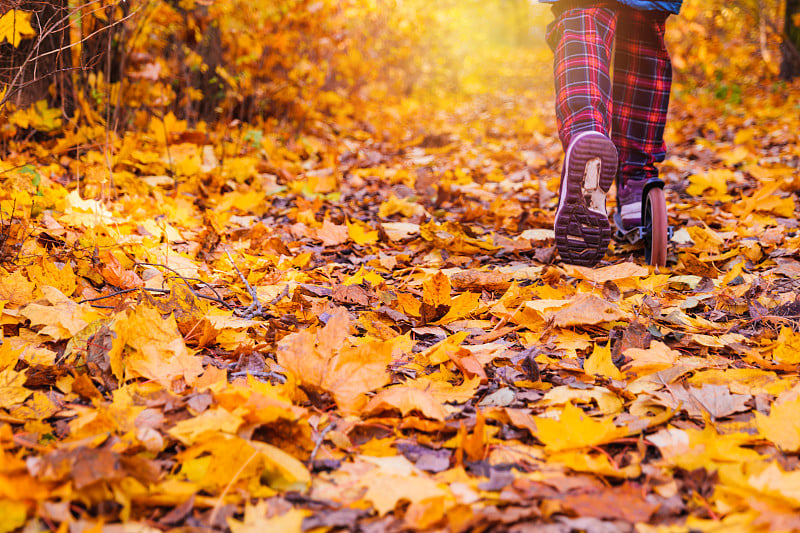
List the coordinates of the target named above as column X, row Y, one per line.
column 631, row 109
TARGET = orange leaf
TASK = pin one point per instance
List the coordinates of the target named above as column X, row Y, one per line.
column 474, row 444
column 436, row 290
column 468, row 364
column 406, row 399
column 325, row 361
column 114, row 273
column 151, row 347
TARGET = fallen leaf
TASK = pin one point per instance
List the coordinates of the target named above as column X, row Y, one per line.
column 782, row 425
column 386, row 491
column 605, row 504
column 332, row 234
column 609, row 273
column 586, row 309
column 600, row 364
column 407, row 400
column 575, row 430
column 478, row 280
column 658, row 357
column 15, row 289
column 151, row 347
column 324, row 362
column 787, row 347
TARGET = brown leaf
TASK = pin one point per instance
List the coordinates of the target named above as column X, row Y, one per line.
column 606, row 504
column 587, row 309
column 609, row 273
column 479, row 280
column 718, row 401
column 351, row 294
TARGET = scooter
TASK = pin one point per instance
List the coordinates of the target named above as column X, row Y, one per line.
column 655, row 231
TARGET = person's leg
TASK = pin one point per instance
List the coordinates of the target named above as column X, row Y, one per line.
column 642, row 82
column 582, row 38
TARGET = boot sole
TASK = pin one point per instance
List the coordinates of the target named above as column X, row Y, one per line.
column 582, row 227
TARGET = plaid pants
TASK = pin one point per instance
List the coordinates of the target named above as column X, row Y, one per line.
column 632, row 110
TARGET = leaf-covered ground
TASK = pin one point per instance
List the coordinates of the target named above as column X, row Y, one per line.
column 367, row 328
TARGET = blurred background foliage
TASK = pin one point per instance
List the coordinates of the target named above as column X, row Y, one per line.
column 310, row 65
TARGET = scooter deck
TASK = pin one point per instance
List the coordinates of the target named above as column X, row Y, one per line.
column 634, row 235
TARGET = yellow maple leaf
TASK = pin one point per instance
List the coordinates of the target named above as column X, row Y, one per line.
column 705, row 239
column 360, row 233
column 62, row 318
column 574, row 429
column 742, row 380
column 608, row 273
column 386, row 490
column 211, row 421
column 782, row 425
column 440, row 352
column 444, row 391
column 363, row 275
column 705, row 448
column 404, row 206
column 219, row 460
column 15, row 289
column 14, row 513
column 409, row 304
column 452, row 236
column 607, row 402
column 598, row 464
column 151, row 347
column 255, row 520
column 49, row 273
column 16, row 25
column 776, row 483
column 12, row 389
column 713, row 184
column 87, row 213
column 787, row 347
column 9, row 355
column 600, row 364
column 462, row 305
column 765, row 199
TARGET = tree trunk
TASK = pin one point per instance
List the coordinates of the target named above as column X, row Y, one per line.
column 29, row 69
column 790, row 47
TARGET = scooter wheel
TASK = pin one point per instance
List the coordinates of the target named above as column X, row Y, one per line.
column 655, row 225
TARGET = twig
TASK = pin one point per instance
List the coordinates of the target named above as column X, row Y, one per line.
column 201, row 282
column 124, row 291
column 264, row 375
column 185, row 280
column 33, row 56
column 255, row 308
column 284, row 293
column 318, row 442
